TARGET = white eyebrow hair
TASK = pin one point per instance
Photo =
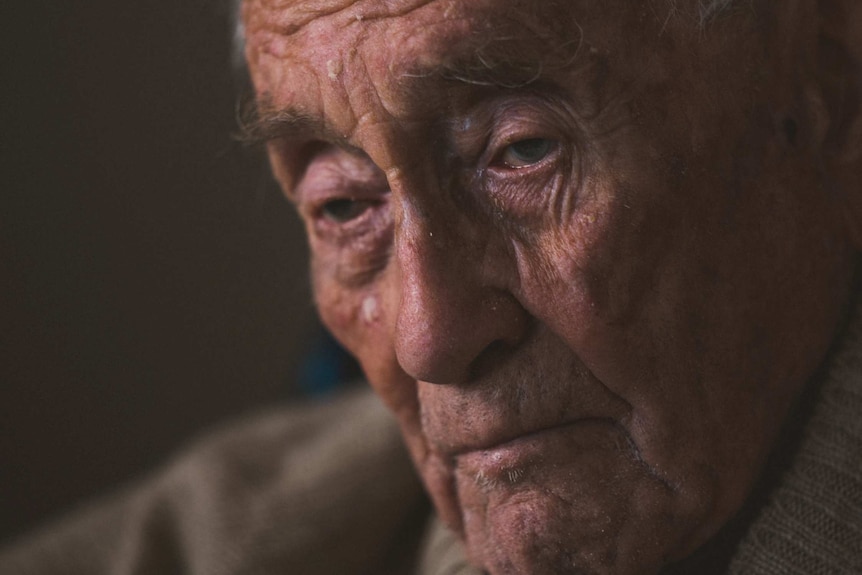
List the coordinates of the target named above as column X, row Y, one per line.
column 261, row 123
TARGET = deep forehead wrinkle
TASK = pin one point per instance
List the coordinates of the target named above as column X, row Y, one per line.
column 286, row 17
column 480, row 73
column 486, row 51
column 492, row 31
column 506, row 44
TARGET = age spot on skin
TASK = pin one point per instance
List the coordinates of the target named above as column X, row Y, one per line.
column 370, row 309
column 334, row 68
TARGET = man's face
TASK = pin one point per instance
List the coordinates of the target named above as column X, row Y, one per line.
column 580, row 249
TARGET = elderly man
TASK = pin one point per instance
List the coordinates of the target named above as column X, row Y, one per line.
column 597, row 257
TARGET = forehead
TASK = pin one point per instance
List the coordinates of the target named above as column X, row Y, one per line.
column 479, row 40
column 327, row 37
column 392, row 64
column 408, row 23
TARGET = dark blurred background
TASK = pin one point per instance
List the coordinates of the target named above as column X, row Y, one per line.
column 152, row 279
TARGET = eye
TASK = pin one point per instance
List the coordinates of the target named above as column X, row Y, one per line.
column 343, row 210
column 526, row 152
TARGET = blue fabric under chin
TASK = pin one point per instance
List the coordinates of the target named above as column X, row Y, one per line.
column 327, row 368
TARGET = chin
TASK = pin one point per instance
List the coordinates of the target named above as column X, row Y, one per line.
column 570, row 501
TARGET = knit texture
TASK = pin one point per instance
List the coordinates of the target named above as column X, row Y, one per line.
column 323, row 489
column 812, row 522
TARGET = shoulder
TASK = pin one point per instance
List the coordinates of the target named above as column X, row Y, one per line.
column 286, row 489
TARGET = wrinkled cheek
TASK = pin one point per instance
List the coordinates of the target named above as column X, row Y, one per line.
column 337, row 310
column 590, row 292
column 559, row 292
column 351, row 313
column 562, row 277
column 359, row 319
column 353, row 318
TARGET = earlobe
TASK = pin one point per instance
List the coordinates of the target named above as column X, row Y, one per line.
column 840, row 65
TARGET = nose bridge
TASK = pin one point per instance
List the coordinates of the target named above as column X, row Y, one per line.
column 432, row 250
column 452, row 307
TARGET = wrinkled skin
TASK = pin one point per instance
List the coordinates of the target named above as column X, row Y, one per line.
column 583, row 252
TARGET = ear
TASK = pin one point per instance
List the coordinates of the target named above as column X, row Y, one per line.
column 840, row 65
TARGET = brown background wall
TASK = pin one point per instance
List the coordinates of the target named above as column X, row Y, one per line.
column 152, row 281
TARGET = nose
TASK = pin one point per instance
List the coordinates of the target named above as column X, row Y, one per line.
column 456, row 317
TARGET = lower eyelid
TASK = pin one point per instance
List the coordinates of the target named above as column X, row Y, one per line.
column 526, row 192
column 360, row 271
column 371, row 223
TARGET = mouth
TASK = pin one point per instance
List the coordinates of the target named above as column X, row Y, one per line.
column 505, row 441
column 510, row 460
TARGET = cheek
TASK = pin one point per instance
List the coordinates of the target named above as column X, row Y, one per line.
column 336, row 305
column 360, row 318
column 592, row 274
column 354, row 316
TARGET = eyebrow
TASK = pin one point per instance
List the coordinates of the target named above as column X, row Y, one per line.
column 494, row 63
column 260, row 123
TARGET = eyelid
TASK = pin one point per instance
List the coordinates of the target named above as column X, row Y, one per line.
column 487, row 128
column 289, row 160
column 528, row 191
column 331, row 172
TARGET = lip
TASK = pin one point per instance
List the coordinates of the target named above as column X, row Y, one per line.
column 514, row 439
column 511, row 459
